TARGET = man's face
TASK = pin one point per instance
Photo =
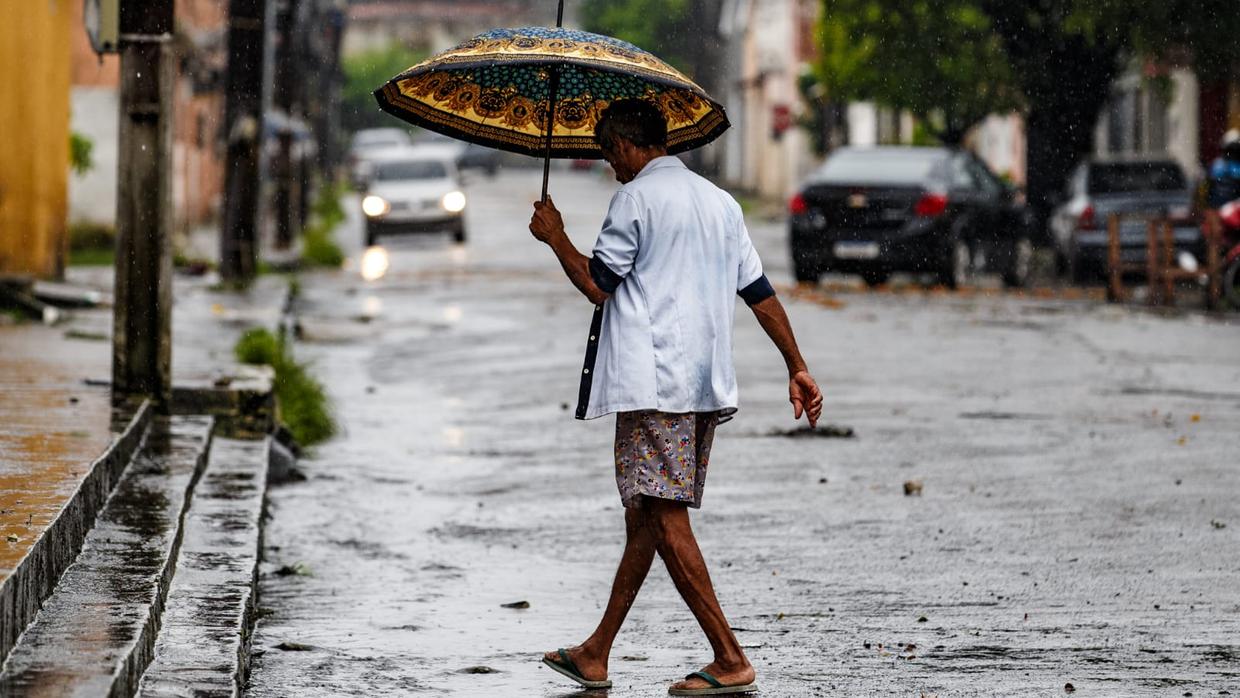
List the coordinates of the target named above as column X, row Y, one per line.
column 620, row 154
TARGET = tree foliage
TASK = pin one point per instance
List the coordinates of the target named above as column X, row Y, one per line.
column 941, row 61
column 1055, row 60
column 662, row 27
column 363, row 74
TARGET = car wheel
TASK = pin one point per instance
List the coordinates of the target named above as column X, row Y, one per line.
column 804, row 271
column 1080, row 273
column 954, row 267
column 1019, row 263
column 1231, row 284
column 458, row 232
column 875, row 277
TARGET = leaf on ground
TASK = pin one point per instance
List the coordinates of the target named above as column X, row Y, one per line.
column 516, row 604
column 912, row 487
column 300, row 569
column 294, row 647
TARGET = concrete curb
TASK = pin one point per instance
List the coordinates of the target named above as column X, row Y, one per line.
column 120, row 580
column 24, row 591
column 203, row 645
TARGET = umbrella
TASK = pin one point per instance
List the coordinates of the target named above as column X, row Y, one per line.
column 541, row 91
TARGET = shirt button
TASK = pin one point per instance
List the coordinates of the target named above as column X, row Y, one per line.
column 591, row 338
column 585, row 370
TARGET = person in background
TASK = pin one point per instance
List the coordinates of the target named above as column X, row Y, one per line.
column 1225, row 172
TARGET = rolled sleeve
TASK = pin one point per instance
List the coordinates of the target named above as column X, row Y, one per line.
column 616, row 247
column 758, row 291
column 607, row 280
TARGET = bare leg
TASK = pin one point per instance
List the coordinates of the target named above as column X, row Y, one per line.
column 674, row 540
column 591, row 655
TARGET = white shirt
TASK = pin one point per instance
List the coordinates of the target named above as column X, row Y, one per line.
column 681, row 246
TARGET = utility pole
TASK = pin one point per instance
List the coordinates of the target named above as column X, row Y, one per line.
column 142, row 328
column 243, row 118
column 286, row 94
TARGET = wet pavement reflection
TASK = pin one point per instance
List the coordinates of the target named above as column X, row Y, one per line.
column 1071, row 547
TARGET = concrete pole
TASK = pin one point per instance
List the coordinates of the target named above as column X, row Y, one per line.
column 243, row 117
column 286, row 96
column 142, row 328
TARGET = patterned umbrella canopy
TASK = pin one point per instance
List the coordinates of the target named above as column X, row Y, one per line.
column 495, row 90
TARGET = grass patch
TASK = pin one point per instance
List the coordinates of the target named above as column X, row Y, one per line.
column 92, row 244
column 319, row 248
column 92, row 258
column 301, row 400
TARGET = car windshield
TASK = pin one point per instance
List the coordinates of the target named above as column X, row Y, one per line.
column 410, row 169
column 1117, row 178
column 879, row 167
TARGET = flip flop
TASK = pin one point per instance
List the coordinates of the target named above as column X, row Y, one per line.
column 716, row 687
column 568, row 668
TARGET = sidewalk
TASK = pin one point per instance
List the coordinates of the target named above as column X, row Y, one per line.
column 63, row 446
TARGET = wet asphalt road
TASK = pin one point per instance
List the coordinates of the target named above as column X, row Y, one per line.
column 1078, row 521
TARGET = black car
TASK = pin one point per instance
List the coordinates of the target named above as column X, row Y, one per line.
column 874, row 211
column 1134, row 189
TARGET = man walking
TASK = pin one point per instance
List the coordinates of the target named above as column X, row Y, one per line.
column 672, row 256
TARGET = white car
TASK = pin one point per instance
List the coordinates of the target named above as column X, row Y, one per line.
column 371, row 143
column 413, row 191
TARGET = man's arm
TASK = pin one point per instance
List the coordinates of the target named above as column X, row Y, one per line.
column 548, row 226
column 803, row 391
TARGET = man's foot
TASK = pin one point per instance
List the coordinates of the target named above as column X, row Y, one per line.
column 739, row 675
column 591, row 667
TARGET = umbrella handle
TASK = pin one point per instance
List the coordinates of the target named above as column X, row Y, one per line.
column 555, row 87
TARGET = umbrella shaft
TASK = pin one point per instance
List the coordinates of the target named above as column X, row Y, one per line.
column 555, row 87
column 555, row 84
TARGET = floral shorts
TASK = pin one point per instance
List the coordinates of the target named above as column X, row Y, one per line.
column 664, row 455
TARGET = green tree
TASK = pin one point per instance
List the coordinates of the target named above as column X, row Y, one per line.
column 941, row 61
column 659, row 26
column 363, row 74
column 1053, row 59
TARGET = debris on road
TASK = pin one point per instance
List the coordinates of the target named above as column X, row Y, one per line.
column 516, row 604
column 912, row 487
column 299, row 569
column 826, row 431
column 294, row 647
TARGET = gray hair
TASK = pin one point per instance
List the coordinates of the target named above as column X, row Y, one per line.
column 635, row 120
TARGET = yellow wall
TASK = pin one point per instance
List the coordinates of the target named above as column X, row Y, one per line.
column 34, row 136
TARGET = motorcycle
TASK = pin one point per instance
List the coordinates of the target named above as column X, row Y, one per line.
column 1229, row 229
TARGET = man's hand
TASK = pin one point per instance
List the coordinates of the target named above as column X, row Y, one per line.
column 805, row 397
column 546, row 223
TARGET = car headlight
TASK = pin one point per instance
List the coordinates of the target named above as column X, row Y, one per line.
column 375, row 206
column 453, row 202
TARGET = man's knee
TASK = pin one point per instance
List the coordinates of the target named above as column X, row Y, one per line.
column 635, row 523
column 664, row 517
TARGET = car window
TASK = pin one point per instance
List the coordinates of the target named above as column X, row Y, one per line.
column 962, row 176
column 1114, row 178
column 410, row 169
column 879, row 167
column 1077, row 184
column 987, row 182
